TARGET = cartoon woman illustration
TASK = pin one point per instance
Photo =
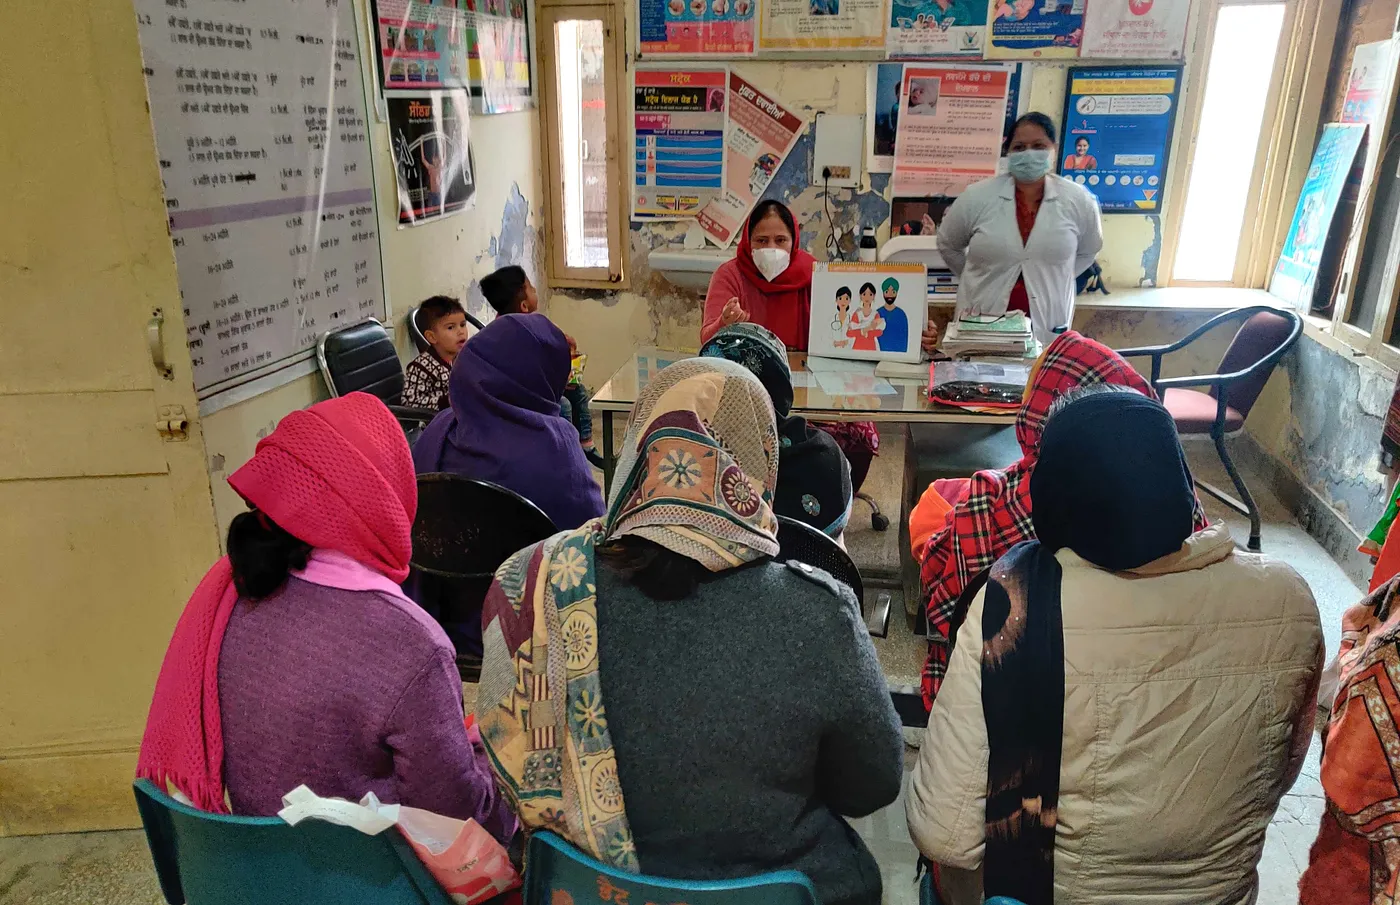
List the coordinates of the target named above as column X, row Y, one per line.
column 866, row 324
column 842, row 321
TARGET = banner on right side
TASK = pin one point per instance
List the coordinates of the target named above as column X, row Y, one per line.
column 1118, row 134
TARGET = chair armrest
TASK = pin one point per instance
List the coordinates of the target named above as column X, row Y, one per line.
column 411, row 413
column 878, row 623
column 1144, row 350
column 1206, row 380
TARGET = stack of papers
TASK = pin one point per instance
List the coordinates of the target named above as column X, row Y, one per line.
column 980, row 336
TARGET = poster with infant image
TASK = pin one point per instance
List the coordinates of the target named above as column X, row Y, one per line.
column 874, row 312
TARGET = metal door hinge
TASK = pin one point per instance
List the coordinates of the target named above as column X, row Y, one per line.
column 172, row 424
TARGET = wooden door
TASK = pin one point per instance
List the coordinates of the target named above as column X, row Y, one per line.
column 106, row 520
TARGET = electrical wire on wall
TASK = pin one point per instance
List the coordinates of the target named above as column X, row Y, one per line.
column 830, row 222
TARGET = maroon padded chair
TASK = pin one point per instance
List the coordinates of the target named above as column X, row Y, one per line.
column 1265, row 334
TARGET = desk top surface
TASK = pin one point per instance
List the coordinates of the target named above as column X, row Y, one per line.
column 821, row 395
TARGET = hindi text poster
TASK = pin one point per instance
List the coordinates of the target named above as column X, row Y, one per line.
column 678, row 161
column 1118, row 134
column 429, row 135
column 950, row 128
column 1034, row 29
column 1135, row 29
column 760, row 134
column 821, row 25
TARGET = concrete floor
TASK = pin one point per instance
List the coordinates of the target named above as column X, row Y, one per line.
column 115, row 869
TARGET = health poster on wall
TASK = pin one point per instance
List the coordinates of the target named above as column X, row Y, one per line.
column 950, row 127
column 480, row 45
column 760, row 134
column 268, row 182
column 722, row 28
column 678, row 161
column 1295, row 275
column 936, row 28
column 1034, row 29
column 1118, row 134
column 884, row 85
column 1135, row 29
column 429, row 136
column 821, row 25
column 498, row 55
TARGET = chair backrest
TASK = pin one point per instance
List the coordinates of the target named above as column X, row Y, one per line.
column 801, row 542
column 214, row 859
column 555, row 871
column 466, row 528
column 361, row 356
column 1266, row 335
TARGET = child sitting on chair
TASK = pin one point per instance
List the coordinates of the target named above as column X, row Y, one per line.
column 443, row 323
column 510, row 291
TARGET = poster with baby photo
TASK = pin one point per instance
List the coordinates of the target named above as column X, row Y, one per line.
column 874, row 312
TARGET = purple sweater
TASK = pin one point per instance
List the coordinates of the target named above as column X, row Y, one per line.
column 348, row 692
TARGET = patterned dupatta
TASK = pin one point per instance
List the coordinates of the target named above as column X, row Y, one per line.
column 700, row 462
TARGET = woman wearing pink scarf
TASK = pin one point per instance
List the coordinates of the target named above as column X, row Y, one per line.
column 298, row 659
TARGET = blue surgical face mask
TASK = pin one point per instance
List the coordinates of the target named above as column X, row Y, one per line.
column 1029, row 165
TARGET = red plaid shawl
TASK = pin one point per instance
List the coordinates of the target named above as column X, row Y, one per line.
column 996, row 515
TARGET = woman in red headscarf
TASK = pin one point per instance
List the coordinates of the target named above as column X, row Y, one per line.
column 298, row 660
column 769, row 283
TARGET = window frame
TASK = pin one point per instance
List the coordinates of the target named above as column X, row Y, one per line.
column 1291, row 113
column 558, row 272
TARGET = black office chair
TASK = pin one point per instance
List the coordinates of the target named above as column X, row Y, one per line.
column 420, row 342
column 360, row 357
column 800, row 542
column 464, row 531
column 1265, row 335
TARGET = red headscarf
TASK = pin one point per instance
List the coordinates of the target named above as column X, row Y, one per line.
column 338, row 476
column 790, row 293
column 996, row 513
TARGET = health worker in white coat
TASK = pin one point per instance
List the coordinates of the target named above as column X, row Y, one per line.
column 1017, row 241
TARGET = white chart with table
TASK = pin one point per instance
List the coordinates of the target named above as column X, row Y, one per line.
column 263, row 139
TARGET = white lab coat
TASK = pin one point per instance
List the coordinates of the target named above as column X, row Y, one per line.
column 981, row 243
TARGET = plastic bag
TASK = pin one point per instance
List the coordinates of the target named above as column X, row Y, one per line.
column 471, row 865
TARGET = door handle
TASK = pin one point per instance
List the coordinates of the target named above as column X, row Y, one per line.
column 155, row 344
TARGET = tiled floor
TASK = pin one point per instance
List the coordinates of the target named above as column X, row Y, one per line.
column 115, row 869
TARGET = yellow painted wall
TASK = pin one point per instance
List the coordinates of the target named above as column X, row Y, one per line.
column 443, row 257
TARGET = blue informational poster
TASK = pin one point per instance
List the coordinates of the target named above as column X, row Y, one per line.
column 1118, row 134
column 1296, row 271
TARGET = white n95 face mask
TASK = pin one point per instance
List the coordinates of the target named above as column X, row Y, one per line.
column 771, row 261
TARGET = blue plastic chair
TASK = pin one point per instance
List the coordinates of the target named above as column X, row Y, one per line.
column 553, row 866
column 215, row 859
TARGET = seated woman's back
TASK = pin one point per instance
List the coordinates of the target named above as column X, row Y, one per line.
column 504, row 425
column 714, row 713
column 348, row 692
column 746, row 720
column 1136, row 696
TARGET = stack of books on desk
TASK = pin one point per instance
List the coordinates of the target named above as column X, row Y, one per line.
column 983, row 336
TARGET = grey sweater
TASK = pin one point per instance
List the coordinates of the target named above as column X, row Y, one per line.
column 747, row 720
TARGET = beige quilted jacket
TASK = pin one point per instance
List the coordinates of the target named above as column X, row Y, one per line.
column 1189, row 690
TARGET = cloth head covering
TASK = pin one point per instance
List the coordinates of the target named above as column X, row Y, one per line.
column 699, row 464
column 337, row 476
column 1352, row 861
column 1111, row 484
column 996, row 513
column 789, row 294
column 504, row 425
column 814, row 478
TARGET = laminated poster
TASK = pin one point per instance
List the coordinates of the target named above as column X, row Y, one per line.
column 480, row 45
column 884, row 85
column 1135, row 29
column 822, row 25
column 1035, row 29
column 1118, row 127
column 723, row 28
column 678, row 161
column 951, row 120
column 760, row 134
column 868, row 311
column 1295, row 274
column 936, row 28
column 429, row 134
